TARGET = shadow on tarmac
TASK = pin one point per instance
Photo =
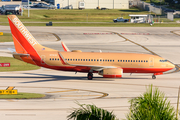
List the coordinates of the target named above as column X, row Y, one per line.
column 49, row 78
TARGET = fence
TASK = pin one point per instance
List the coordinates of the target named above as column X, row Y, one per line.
column 146, row 6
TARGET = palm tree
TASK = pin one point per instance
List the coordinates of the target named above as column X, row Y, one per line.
column 90, row 112
column 151, row 106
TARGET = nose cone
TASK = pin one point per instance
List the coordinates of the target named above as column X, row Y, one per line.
column 170, row 65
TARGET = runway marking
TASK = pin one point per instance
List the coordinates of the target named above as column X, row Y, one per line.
column 135, row 33
column 63, row 91
column 79, row 95
column 175, row 33
column 58, row 38
column 20, row 114
column 176, row 66
column 100, row 94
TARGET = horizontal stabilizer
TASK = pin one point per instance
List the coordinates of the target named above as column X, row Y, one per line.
column 13, row 51
column 19, row 54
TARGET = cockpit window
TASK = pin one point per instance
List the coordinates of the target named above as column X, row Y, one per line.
column 162, row 60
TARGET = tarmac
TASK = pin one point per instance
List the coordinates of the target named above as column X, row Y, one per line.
column 64, row 89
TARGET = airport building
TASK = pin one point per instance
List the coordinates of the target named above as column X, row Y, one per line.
column 90, row 4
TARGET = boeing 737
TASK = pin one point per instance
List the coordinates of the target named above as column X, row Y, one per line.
column 109, row 65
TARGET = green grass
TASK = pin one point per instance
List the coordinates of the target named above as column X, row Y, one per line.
column 6, row 37
column 22, row 96
column 16, row 65
column 88, row 15
column 64, row 15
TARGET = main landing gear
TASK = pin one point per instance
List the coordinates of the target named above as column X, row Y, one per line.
column 90, row 76
column 153, row 77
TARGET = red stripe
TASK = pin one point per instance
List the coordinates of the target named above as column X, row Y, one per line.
column 64, row 48
column 145, row 70
column 112, row 76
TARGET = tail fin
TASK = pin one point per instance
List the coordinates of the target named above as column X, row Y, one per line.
column 24, row 42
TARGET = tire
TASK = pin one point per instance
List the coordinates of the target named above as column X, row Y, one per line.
column 115, row 21
column 153, row 77
column 90, row 76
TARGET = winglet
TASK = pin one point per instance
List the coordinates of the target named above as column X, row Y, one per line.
column 65, row 47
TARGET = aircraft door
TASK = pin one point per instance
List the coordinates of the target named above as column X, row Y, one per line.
column 151, row 62
column 42, row 59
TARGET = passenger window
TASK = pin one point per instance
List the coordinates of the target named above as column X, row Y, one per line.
column 141, row 60
column 136, row 61
column 105, row 60
column 133, row 60
column 123, row 60
column 58, row 59
column 128, row 60
column 146, row 60
column 108, row 60
column 83, row 59
column 70, row 59
column 86, row 59
column 50, row 59
column 78, row 59
column 97, row 60
column 91, row 59
column 94, row 59
column 118, row 60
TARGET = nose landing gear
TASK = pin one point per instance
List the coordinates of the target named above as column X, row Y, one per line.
column 153, row 77
column 90, row 76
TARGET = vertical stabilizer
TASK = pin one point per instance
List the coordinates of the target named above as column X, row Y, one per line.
column 23, row 40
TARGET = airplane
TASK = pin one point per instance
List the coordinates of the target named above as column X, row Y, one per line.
column 109, row 65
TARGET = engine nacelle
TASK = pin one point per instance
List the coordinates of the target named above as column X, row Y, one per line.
column 76, row 51
column 111, row 72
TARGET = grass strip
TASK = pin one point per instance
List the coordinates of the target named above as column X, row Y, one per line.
column 16, row 65
column 87, row 15
column 6, row 37
column 104, row 24
column 22, row 96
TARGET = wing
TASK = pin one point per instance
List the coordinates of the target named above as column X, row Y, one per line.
column 93, row 67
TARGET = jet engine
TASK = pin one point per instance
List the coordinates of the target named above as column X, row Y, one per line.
column 111, row 72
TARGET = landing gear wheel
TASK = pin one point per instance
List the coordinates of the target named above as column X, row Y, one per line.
column 90, row 76
column 153, row 77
